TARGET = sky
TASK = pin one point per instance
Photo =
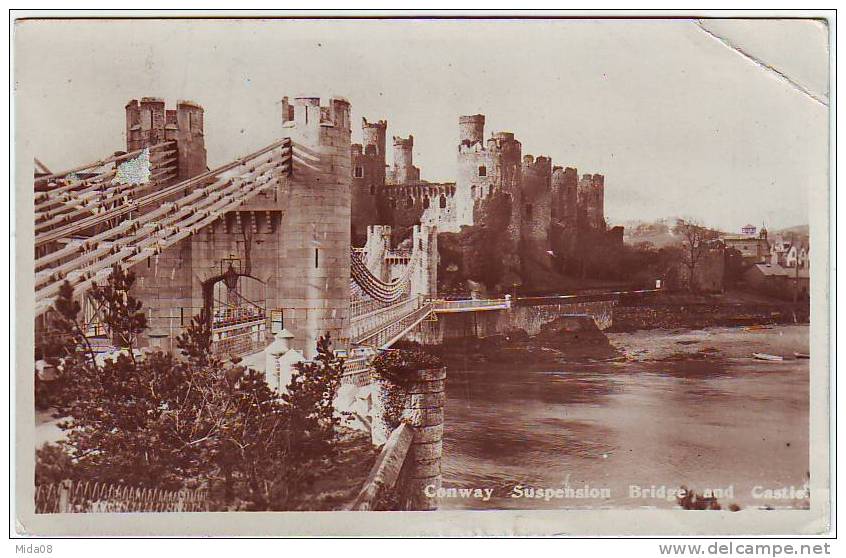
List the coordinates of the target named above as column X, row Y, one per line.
column 725, row 122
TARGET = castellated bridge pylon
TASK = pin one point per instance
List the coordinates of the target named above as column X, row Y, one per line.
column 260, row 245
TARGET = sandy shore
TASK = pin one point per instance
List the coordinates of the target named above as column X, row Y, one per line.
column 716, row 342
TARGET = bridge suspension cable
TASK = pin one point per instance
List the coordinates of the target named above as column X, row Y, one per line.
column 131, row 241
column 79, row 197
column 96, row 164
column 180, row 189
column 375, row 287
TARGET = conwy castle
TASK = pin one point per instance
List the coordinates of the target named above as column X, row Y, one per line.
column 311, row 234
column 538, row 215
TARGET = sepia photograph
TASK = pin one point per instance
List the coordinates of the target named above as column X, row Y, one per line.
column 558, row 269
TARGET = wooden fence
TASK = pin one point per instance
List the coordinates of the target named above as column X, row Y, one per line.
column 93, row 497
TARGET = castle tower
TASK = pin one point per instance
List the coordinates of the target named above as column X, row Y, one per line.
column 373, row 133
column 368, row 177
column 564, row 214
column 471, row 129
column 145, row 123
column 489, row 176
column 484, row 170
column 314, row 234
column 537, row 202
column 591, row 201
column 565, row 183
column 404, row 171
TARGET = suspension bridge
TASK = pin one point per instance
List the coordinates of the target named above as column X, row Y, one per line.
column 272, row 226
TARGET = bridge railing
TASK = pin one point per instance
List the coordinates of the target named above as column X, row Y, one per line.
column 362, row 307
column 441, row 305
column 240, row 339
column 357, row 371
column 364, row 325
column 393, row 330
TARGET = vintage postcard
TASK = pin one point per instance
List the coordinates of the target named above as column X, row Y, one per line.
column 304, row 276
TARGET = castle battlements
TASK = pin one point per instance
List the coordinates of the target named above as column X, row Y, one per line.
column 308, row 112
column 538, row 192
column 420, row 190
column 150, row 122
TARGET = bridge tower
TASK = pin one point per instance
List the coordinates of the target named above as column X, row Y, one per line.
column 314, row 236
column 149, row 122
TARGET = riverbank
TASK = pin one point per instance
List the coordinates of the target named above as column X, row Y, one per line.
column 672, row 311
column 710, row 343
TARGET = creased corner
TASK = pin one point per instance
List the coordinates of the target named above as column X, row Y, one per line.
column 816, row 97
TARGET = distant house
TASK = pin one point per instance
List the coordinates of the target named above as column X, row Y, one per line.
column 778, row 250
column 790, row 253
column 778, row 281
column 753, row 249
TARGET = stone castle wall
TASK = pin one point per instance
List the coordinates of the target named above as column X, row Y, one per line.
column 530, row 319
column 551, row 208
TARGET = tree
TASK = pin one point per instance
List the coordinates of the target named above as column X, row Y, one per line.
column 311, row 416
column 696, row 240
column 186, row 421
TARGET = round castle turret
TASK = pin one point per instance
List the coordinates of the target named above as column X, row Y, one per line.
column 373, row 133
column 471, row 129
column 404, row 171
column 591, row 200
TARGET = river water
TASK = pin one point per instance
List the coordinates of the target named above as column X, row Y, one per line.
column 734, row 425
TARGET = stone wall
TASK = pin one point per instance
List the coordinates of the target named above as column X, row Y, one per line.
column 530, row 319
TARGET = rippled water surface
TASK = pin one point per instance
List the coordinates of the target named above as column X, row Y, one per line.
column 733, row 425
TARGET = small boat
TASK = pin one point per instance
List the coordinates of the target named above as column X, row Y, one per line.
column 765, row 356
column 801, row 355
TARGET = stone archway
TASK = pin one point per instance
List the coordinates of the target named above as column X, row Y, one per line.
column 235, row 305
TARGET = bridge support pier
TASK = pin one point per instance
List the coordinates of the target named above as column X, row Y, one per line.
column 424, row 411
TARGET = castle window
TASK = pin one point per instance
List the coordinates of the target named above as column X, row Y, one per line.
column 393, row 203
column 426, row 202
column 409, row 202
column 359, row 172
column 372, row 189
column 472, row 191
column 316, row 257
column 528, row 210
column 483, row 171
column 443, row 201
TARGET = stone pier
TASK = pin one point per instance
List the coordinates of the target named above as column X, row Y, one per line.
column 411, row 437
column 424, row 411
